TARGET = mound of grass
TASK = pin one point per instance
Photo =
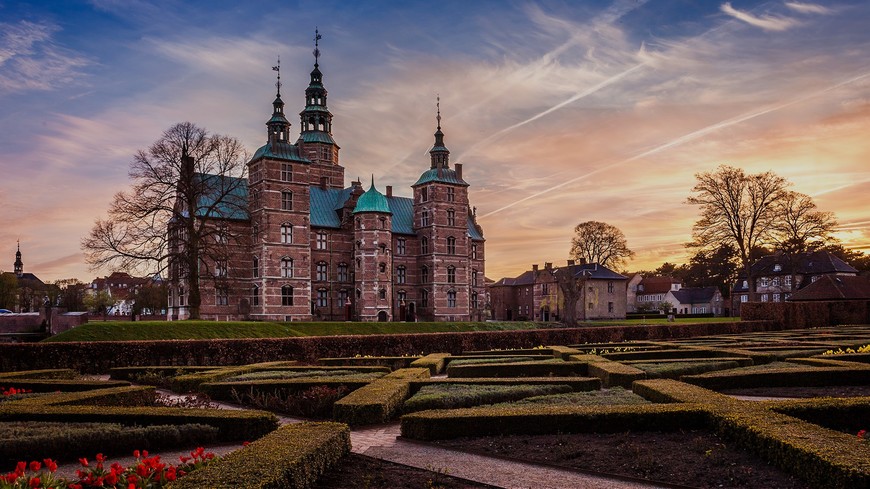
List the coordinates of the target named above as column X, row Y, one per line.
column 451, row 396
column 191, row 330
column 291, row 374
column 604, row 397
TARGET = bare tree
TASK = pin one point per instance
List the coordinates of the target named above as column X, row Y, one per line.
column 571, row 285
column 737, row 209
column 599, row 242
column 183, row 185
column 801, row 227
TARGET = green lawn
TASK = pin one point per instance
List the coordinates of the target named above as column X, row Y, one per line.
column 183, row 330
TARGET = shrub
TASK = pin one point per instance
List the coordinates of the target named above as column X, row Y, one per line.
column 607, row 397
column 379, row 401
column 614, row 373
column 673, row 370
column 435, row 362
column 314, row 402
column 343, row 374
column 294, row 456
column 535, row 368
column 785, row 377
column 58, row 373
column 449, row 396
column 393, row 362
column 224, row 390
column 158, row 372
column 190, row 382
column 576, row 383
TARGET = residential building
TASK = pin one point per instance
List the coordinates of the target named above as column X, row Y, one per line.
column 121, row 288
column 312, row 248
column 696, row 300
column 834, row 288
column 652, row 291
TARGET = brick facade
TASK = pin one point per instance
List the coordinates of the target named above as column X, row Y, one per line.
column 310, row 249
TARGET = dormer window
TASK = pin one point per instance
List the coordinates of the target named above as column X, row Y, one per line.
column 777, row 268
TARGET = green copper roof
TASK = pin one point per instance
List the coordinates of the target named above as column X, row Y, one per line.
column 221, row 197
column 280, row 151
column 316, row 137
column 372, row 201
column 442, row 175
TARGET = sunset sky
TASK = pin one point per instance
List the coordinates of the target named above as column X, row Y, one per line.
column 560, row 111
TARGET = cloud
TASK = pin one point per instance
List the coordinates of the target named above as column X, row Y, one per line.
column 30, row 60
column 808, row 8
column 766, row 22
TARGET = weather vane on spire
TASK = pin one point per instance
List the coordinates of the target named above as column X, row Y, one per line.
column 278, row 69
column 317, row 38
column 438, row 106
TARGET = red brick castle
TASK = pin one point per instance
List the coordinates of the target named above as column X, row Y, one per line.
column 317, row 250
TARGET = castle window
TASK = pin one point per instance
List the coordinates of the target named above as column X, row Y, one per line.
column 383, row 294
column 222, row 234
column 255, row 295
column 400, row 246
column 451, row 245
column 322, row 298
column 255, row 231
column 451, row 217
column 401, row 296
column 287, row 200
column 220, row 268
column 383, row 247
column 474, row 300
column 286, row 267
column 451, row 298
column 322, row 271
column 286, row 172
column 424, row 274
column 424, row 298
column 401, row 275
column 255, row 272
column 322, row 241
column 383, row 222
column 474, row 251
column 382, row 267
column 424, row 218
column 424, row 245
column 343, row 297
column 324, row 151
column 221, row 298
column 474, row 278
column 424, row 194
column 342, row 272
column 286, row 233
column 450, row 194
column 286, row 295
column 451, row 275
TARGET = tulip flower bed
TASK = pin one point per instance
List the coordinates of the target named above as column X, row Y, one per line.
column 145, row 472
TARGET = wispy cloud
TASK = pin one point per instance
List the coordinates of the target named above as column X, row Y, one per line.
column 29, row 60
column 766, row 22
column 808, row 8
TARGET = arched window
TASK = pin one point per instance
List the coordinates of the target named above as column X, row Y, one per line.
column 424, row 298
column 342, row 272
column 255, row 267
column 286, row 267
column 451, row 274
column 474, row 278
column 474, row 300
column 322, row 271
column 451, row 217
column 286, row 233
column 424, row 218
column 287, row 200
column 383, row 294
column 382, row 267
column 322, row 298
column 451, row 298
column 424, row 274
column 451, row 245
column 424, row 245
column 400, row 275
column 286, row 295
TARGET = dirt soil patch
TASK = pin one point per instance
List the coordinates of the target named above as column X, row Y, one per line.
column 688, row 458
column 357, row 471
column 803, row 392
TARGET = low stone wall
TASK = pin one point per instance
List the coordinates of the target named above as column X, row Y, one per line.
column 808, row 314
column 28, row 322
column 100, row 356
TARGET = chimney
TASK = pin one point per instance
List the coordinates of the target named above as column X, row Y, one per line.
column 547, row 265
column 535, row 267
column 389, row 190
column 570, row 263
column 582, row 261
column 458, row 170
column 355, row 183
column 323, row 182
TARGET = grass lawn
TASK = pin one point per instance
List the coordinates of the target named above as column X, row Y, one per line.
column 189, row 330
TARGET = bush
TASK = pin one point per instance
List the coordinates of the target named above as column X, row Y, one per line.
column 450, row 396
column 534, row 368
column 159, row 373
column 614, row 373
column 314, row 402
column 336, row 373
column 673, row 370
column 607, row 397
column 62, row 385
column 576, row 383
column 542, row 419
column 67, row 441
column 58, row 373
column 435, row 362
column 190, row 382
column 379, row 401
column 224, row 390
column 393, row 363
column 786, row 377
column 294, row 456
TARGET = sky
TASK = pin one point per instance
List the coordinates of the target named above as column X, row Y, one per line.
column 560, row 111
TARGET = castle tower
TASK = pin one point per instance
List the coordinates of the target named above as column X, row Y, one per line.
column 19, row 265
column 373, row 256
column 441, row 221
column 280, row 228
column 315, row 141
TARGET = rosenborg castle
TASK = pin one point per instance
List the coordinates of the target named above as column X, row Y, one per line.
column 314, row 249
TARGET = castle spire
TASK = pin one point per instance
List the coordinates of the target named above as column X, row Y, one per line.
column 278, row 125
column 19, row 265
column 439, row 153
column 315, row 119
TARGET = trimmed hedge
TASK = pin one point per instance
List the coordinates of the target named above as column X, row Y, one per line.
column 59, row 385
column 54, row 373
column 294, row 456
column 223, row 390
column 68, row 442
column 393, row 363
column 674, row 370
column 576, row 383
column 615, row 373
column 808, row 314
column 435, row 362
column 453, row 396
column 786, row 377
column 564, row 352
column 128, row 373
column 379, row 401
column 673, row 391
column 190, row 382
column 842, row 414
column 511, row 352
column 98, row 357
column 444, row 424
column 518, row 369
